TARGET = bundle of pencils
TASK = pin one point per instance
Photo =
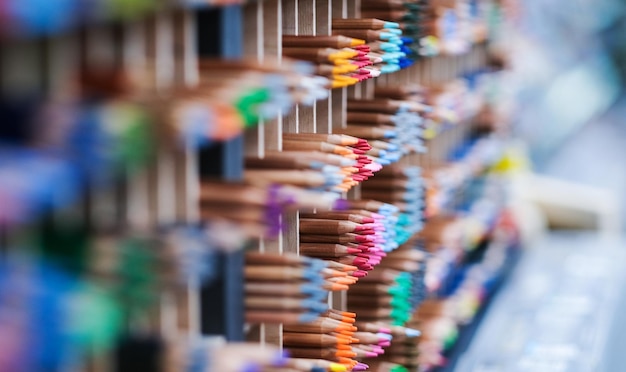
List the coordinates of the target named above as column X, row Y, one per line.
column 403, row 352
column 356, row 236
column 433, row 104
column 402, row 187
column 383, row 213
column 390, row 293
column 301, row 282
column 383, row 38
column 416, row 19
column 344, row 164
column 284, row 288
column 329, row 337
column 370, row 345
column 399, row 343
column 333, row 236
column 381, row 296
column 256, row 208
column 393, row 128
column 342, row 59
column 234, row 94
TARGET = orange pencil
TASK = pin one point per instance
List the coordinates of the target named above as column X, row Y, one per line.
column 277, row 316
column 326, row 250
column 315, row 146
column 336, row 139
column 319, row 54
column 320, row 325
column 312, row 340
column 325, row 353
column 340, row 266
column 335, row 41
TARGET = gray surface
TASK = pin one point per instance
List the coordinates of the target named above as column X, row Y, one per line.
column 557, row 311
column 595, row 156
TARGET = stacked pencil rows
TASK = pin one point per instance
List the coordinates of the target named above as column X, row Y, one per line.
column 343, row 60
column 413, row 110
column 329, row 337
column 354, row 237
column 359, row 49
column 394, row 127
column 399, row 119
column 385, row 214
column 356, row 166
column 393, row 336
column 234, row 95
column 301, row 283
column 383, row 38
column 390, row 293
column 256, row 208
column 334, row 338
column 402, row 355
column 416, row 19
column 402, row 187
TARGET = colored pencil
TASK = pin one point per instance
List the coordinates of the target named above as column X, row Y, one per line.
column 319, row 54
column 331, row 227
column 326, row 250
column 367, row 35
column 308, row 364
column 340, row 215
column 363, row 23
column 320, row 325
column 336, row 139
column 335, row 41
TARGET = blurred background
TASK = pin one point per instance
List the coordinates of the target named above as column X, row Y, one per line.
column 561, row 309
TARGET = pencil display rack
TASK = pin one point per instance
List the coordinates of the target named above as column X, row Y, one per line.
column 285, row 185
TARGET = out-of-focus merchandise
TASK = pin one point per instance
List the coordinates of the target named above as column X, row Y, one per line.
column 72, row 294
column 34, row 18
column 473, row 242
column 459, row 24
column 30, row 18
column 114, row 126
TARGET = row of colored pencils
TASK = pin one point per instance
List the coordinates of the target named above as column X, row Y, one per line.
column 290, row 288
column 404, row 188
column 256, row 209
column 358, row 49
column 325, row 162
column 394, row 288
